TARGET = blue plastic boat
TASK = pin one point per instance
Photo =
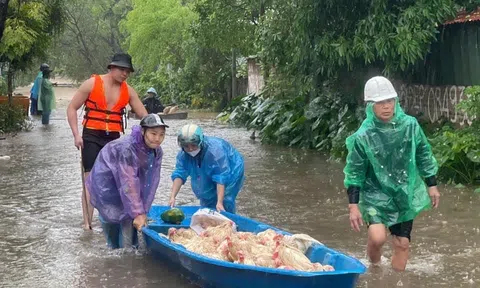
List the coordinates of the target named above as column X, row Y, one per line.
column 208, row 272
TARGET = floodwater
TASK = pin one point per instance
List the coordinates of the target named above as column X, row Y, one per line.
column 42, row 243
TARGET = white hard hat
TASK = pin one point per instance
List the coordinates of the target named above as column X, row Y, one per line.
column 152, row 90
column 378, row 89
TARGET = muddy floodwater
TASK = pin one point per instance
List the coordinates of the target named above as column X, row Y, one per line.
column 42, row 243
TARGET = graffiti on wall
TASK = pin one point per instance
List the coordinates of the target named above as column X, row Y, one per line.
column 431, row 103
column 434, row 103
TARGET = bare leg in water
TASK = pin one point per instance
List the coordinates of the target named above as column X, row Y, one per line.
column 377, row 236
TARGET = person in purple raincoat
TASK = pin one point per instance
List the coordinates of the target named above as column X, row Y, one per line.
column 124, row 179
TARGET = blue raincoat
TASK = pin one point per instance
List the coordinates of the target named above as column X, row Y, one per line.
column 124, row 178
column 35, row 91
column 217, row 163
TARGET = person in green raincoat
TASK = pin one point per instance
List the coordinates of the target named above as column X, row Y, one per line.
column 46, row 97
column 389, row 165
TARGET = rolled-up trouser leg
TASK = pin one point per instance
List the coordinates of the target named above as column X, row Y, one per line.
column 121, row 235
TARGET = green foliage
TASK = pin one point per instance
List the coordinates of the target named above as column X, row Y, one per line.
column 170, row 58
column 157, row 80
column 471, row 105
column 458, row 150
column 158, row 31
column 317, row 56
column 321, row 37
column 200, row 83
column 12, row 118
column 91, row 36
column 3, row 87
column 29, row 28
column 228, row 24
column 323, row 124
column 458, row 154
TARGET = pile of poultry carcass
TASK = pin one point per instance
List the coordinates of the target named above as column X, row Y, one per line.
column 267, row 248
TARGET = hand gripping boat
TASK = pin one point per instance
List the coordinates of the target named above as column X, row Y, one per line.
column 209, row 272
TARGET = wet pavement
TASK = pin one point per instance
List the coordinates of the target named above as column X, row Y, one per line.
column 42, row 243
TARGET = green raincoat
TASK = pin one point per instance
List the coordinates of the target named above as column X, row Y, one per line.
column 388, row 161
column 46, row 97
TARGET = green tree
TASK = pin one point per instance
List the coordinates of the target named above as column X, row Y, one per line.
column 90, row 38
column 169, row 58
column 229, row 24
column 29, row 30
column 319, row 53
column 312, row 41
column 229, row 27
column 158, row 32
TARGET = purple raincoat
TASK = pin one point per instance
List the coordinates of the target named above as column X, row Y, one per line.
column 124, row 178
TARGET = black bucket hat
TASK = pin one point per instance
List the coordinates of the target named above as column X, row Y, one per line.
column 121, row 60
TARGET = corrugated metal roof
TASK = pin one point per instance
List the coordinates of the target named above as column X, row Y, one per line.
column 463, row 17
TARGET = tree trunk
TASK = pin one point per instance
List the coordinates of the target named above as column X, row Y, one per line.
column 262, row 8
column 3, row 15
column 10, row 75
column 234, row 75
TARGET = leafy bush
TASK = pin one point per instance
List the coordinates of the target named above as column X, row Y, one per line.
column 12, row 119
column 323, row 124
column 458, row 154
column 458, row 150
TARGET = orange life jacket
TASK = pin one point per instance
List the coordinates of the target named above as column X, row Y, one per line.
column 97, row 116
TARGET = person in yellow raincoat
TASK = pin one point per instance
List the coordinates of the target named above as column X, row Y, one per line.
column 389, row 165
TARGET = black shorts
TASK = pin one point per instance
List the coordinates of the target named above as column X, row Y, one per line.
column 93, row 142
column 403, row 229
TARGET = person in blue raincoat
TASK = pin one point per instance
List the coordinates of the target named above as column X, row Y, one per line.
column 124, row 179
column 216, row 169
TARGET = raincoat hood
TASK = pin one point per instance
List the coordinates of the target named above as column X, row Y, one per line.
column 138, row 140
column 398, row 114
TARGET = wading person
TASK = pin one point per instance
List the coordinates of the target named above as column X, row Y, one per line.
column 216, row 169
column 124, row 179
column 46, row 98
column 105, row 98
column 35, row 91
column 389, row 165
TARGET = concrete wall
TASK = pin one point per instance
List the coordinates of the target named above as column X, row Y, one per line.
column 255, row 77
column 433, row 103
column 430, row 103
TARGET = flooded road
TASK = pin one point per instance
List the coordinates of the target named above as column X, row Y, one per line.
column 42, row 243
